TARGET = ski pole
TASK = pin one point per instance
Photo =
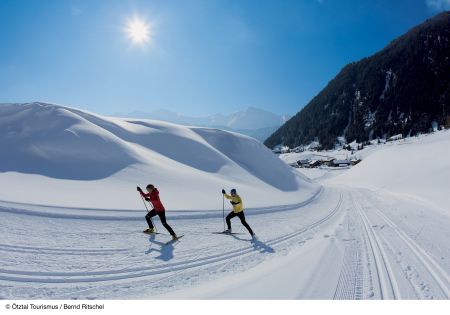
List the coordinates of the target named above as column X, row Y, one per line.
column 223, row 211
column 154, row 226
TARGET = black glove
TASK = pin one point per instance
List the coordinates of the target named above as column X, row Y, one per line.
column 139, row 189
column 148, row 199
column 223, row 191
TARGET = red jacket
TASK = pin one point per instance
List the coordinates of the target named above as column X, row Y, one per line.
column 154, row 199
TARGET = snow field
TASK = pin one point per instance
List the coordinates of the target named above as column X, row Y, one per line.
column 376, row 231
column 64, row 157
column 114, row 269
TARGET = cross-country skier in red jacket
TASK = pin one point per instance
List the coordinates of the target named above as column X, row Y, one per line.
column 158, row 209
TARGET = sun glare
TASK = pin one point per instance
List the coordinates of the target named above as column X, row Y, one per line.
column 139, row 31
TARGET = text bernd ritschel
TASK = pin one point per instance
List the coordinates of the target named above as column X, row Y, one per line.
column 83, row 306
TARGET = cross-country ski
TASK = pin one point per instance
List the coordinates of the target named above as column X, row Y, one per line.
column 227, row 233
column 174, row 240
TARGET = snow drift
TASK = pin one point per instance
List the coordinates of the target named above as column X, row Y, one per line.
column 51, row 152
column 56, row 142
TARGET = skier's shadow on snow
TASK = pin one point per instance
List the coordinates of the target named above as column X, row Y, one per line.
column 257, row 245
column 165, row 250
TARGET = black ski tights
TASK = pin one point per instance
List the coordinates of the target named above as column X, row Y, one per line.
column 162, row 217
column 242, row 217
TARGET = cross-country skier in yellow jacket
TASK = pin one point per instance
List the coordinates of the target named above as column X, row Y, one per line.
column 238, row 210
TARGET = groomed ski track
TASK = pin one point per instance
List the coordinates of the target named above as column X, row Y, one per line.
column 343, row 243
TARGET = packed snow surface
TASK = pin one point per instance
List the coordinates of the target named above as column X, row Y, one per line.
column 378, row 230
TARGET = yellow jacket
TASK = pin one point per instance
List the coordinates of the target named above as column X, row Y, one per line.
column 236, row 202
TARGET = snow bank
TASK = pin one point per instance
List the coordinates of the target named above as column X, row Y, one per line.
column 60, row 156
column 418, row 168
column 56, row 142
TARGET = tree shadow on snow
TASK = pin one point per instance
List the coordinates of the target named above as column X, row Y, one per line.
column 257, row 245
column 165, row 250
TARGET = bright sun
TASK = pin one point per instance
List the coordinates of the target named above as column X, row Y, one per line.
column 139, row 31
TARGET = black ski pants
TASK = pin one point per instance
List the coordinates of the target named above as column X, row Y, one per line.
column 162, row 217
column 242, row 217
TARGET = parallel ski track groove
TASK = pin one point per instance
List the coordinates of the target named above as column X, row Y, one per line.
column 174, row 215
column 392, row 281
column 387, row 284
column 110, row 275
column 61, row 251
column 350, row 283
column 434, row 270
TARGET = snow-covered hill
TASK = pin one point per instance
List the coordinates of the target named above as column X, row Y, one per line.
column 417, row 168
column 413, row 167
column 56, row 155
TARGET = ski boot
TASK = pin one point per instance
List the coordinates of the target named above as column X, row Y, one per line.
column 149, row 231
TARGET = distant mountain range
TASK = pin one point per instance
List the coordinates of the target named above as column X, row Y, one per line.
column 252, row 121
column 403, row 89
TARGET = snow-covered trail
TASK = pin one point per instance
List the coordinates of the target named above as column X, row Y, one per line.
column 385, row 258
column 51, row 257
column 345, row 243
column 374, row 247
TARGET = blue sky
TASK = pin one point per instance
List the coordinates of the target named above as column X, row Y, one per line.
column 204, row 57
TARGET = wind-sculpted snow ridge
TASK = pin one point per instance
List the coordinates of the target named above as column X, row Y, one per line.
column 241, row 150
column 72, row 158
column 55, row 142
